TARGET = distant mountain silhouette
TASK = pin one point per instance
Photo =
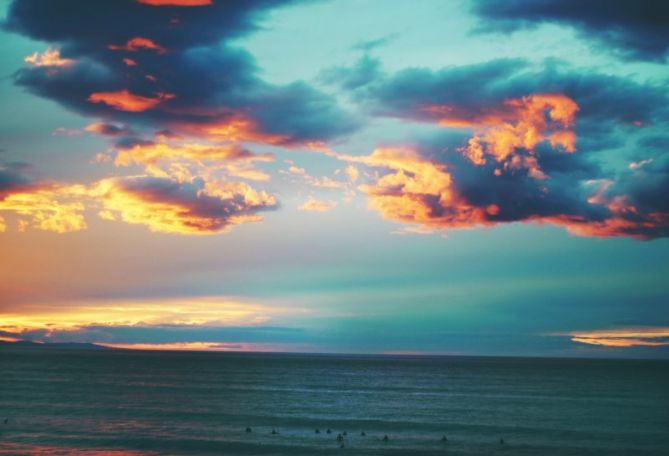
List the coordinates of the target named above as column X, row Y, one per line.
column 54, row 345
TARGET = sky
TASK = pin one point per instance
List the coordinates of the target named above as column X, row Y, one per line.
column 339, row 176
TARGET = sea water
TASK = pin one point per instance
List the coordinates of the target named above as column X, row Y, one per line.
column 90, row 402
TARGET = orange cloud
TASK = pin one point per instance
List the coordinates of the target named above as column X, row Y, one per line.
column 522, row 123
column 56, row 208
column 235, row 128
column 323, row 182
column 414, row 190
column 172, row 204
column 624, row 337
column 625, row 218
column 106, row 129
column 315, row 205
column 49, row 58
column 352, row 173
column 123, row 100
column 639, row 227
column 176, row 2
column 621, row 342
column 129, row 62
column 188, row 311
column 116, row 322
column 639, row 164
column 169, row 206
column 417, row 191
column 207, row 346
column 315, row 181
column 161, row 159
column 138, row 43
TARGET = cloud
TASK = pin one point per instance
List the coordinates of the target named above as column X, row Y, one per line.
column 467, row 94
column 186, row 311
column 126, row 101
column 13, row 178
column 314, row 181
column 42, row 205
column 183, row 161
column 156, row 323
column 425, row 186
column 49, row 58
column 136, row 44
column 159, row 336
column 314, row 205
column 520, row 125
column 176, row 2
column 369, row 45
column 637, row 201
column 107, row 129
column 519, row 143
column 416, row 190
column 54, row 208
column 634, row 30
column 217, row 346
column 364, row 71
column 181, row 207
column 622, row 337
column 169, row 202
column 172, row 68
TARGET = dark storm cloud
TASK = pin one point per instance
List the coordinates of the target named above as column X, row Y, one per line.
column 170, row 67
column 633, row 29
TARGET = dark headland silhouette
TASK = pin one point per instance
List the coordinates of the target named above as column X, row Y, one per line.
column 54, row 345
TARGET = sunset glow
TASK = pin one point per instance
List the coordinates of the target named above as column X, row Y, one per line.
column 437, row 177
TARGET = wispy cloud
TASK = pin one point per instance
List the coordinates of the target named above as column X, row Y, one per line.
column 199, row 322
column 314, row 205
column 622, row 337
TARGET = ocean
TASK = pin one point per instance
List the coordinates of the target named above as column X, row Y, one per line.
column 108, row 402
